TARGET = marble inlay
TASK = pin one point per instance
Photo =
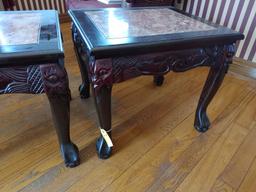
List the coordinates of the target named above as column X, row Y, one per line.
column 19, row 28
column 123, row 23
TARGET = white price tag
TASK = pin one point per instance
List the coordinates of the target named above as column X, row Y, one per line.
column 106, row 137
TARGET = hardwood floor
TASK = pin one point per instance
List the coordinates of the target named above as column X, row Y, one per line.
column 244, row 68
column 156, row 146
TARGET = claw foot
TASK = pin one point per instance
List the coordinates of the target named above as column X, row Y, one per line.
column 158, row 80
column 84, row 91
column 103, row 150
column 70, row 154
column 202, row 122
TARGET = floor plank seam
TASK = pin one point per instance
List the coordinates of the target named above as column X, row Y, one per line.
column 254, row 159
column 229, row 123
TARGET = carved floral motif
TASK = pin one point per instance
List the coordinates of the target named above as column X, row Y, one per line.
column 55, row 80
column 109, row 71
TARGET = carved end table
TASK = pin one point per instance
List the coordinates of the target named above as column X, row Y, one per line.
column 32, row 61
column 114, row 45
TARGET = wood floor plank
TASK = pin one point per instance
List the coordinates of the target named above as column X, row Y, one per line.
column 173, row 176
column 34, row 162
column 236, row 170
column 129, row 133
column 249, row 184
column 221, row 186
column 125, row 164
column 51, row 141
column 214, row 161
column 160, row 157
column 82, row 183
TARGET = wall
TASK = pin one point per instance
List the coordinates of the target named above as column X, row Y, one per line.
column 239, row 15
column 41, row 4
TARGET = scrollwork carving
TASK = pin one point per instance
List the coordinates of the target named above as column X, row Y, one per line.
column 21, row 80
column 101, row 72
column 159, row 63
column 118, row 69
column 34, row 79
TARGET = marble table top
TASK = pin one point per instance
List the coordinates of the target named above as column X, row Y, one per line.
column 19, row 28
column 123, row 23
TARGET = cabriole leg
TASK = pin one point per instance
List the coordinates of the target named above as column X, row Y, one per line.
column 56, row 87
column 215, row 77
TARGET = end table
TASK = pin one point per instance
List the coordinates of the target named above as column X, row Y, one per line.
column 114, row 45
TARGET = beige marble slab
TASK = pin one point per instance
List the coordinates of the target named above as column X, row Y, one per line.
column 124, row 23
column 19, row 28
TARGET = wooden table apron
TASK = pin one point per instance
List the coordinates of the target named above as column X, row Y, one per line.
column 103, row 73
column 39, row 72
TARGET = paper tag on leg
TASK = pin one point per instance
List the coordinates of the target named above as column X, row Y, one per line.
column 106, row 137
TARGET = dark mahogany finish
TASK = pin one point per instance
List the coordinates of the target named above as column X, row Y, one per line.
column 105, row 60
column 37, row 68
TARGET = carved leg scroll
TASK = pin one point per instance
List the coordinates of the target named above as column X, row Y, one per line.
column 84, row 88
column 55, row 83
column 222, row 59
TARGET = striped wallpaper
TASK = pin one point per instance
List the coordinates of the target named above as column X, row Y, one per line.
column 239, row 15
column 59, row 5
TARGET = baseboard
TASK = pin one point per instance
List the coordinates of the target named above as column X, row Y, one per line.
column 243, row 68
